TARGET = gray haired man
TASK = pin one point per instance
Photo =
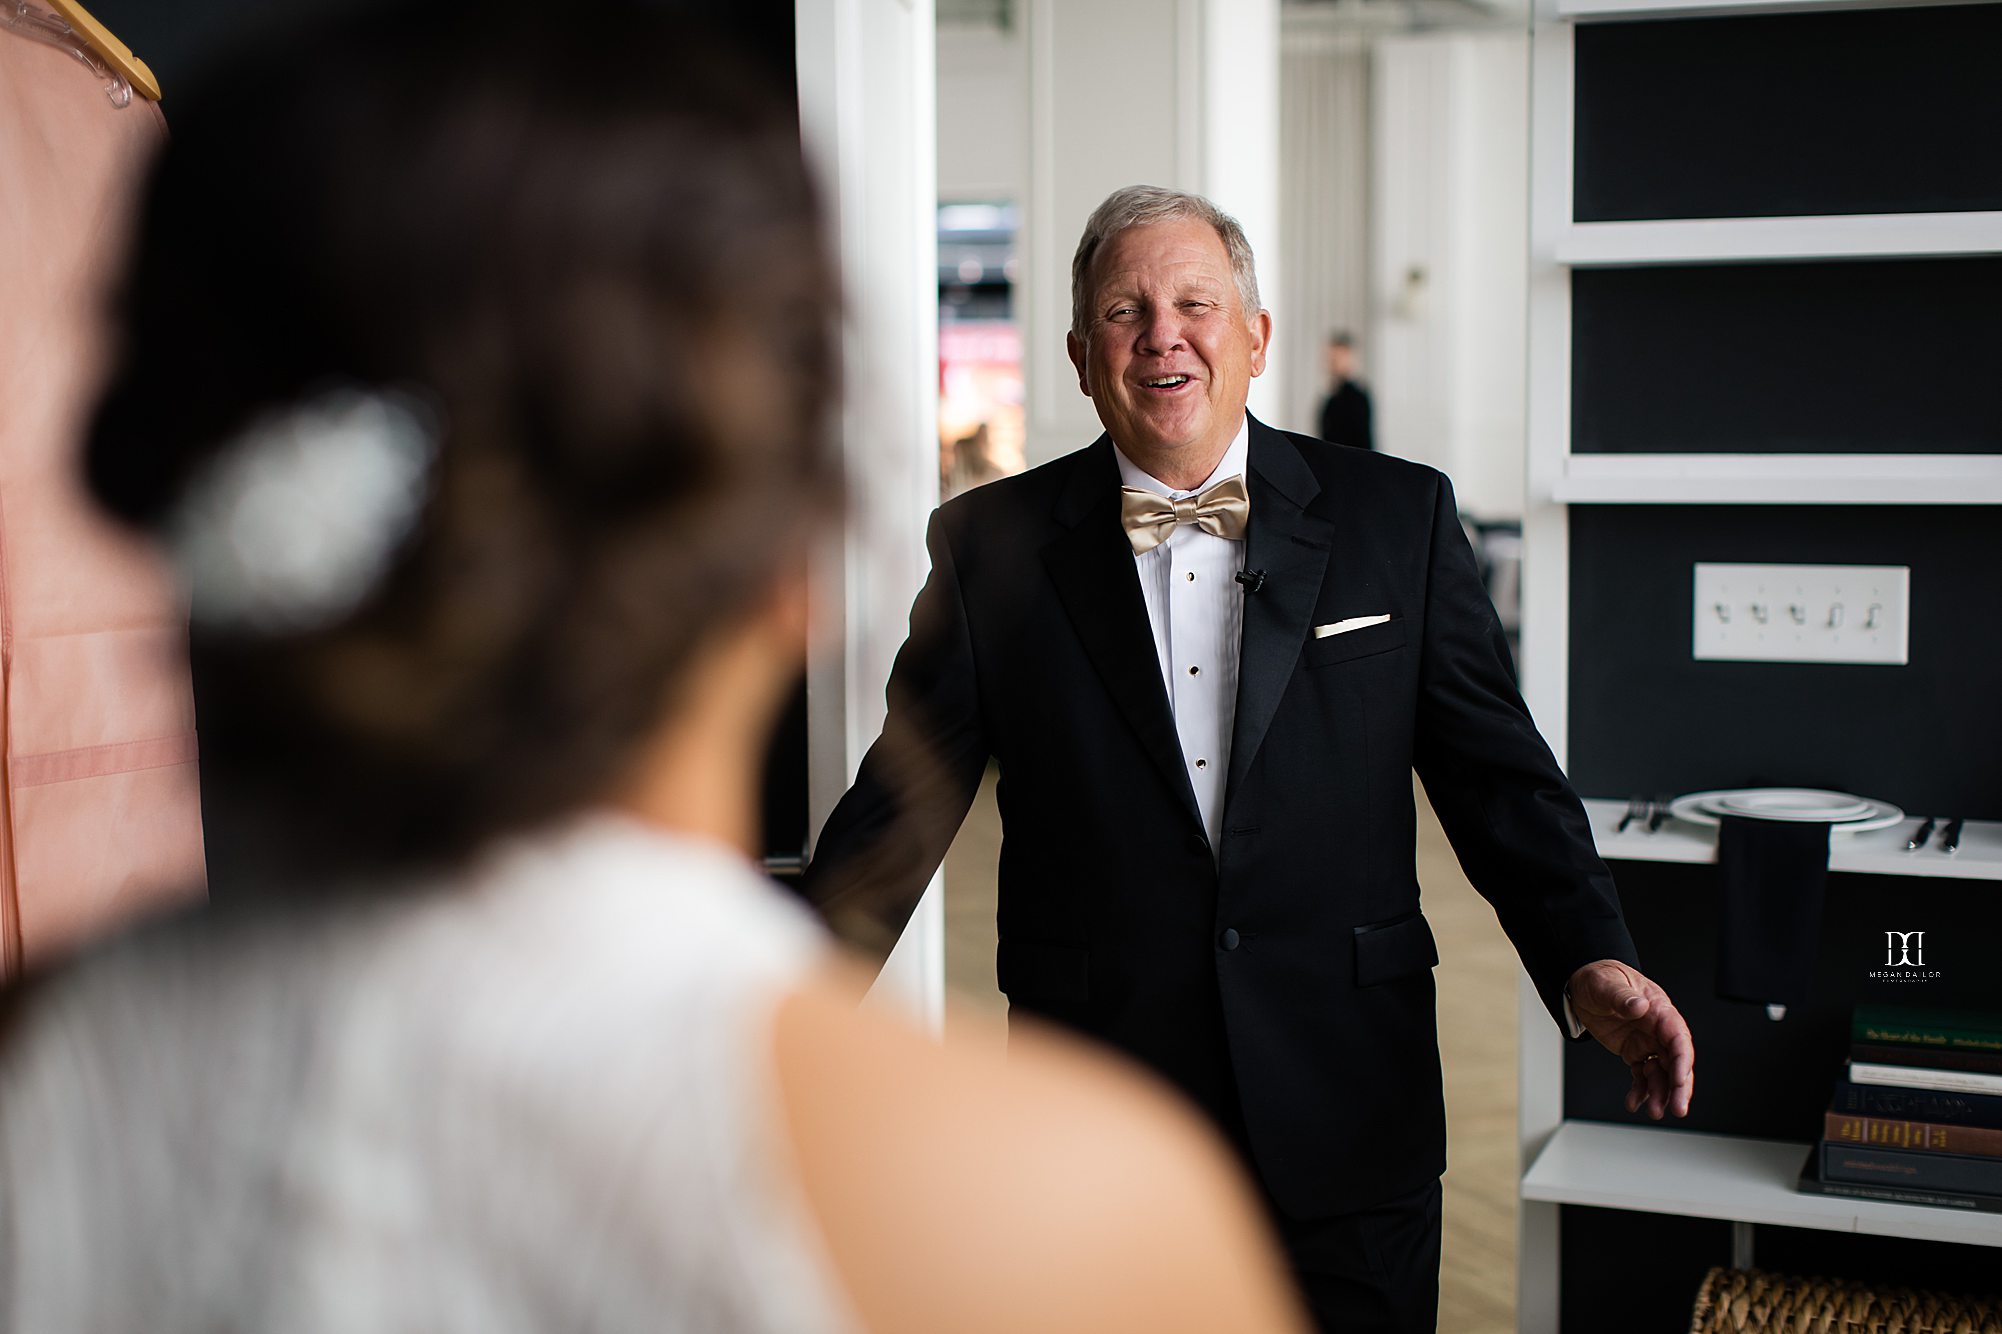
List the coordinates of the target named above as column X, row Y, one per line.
column 1206, row 656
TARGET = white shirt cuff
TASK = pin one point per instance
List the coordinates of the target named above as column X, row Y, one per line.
column 1571, row 1024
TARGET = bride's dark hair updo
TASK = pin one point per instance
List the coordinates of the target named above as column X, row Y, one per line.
column 582, row 241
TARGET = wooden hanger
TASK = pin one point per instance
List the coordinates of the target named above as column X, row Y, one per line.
column 72, row 30
column 69, row 27
column 109, row 49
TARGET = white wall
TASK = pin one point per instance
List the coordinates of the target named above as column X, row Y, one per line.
column 983, row 114
column 1449, row 217
column 868, row 117
column 1182, row 93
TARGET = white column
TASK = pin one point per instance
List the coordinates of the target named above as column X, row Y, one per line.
column 1240, row 162
column 868, row 117
column 1181, row 93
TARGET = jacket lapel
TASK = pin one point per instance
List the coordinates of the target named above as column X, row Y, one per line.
column 1292, row 547
column 1092, row 568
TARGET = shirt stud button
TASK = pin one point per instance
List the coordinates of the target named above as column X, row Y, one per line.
column 1195, row 671
column 1191, row 576
column 1202, row 764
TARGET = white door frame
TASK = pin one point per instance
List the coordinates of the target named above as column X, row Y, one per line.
column 868, row 118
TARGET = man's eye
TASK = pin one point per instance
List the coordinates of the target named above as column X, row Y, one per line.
column 1121, row 313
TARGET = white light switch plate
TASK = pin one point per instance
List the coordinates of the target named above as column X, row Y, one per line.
column 1803, row 613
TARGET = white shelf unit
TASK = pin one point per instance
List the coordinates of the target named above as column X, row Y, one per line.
column 1779, row 479
column 1695, row 1175
column 1765, row 240
column 1879, row 852
column 1645, row 1168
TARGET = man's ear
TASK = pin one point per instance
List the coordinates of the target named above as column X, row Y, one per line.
column 1261, row 340
column 1075, row 346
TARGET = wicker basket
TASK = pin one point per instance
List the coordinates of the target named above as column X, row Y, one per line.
column 1732, row 1300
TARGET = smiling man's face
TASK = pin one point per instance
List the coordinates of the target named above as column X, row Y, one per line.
column 1168, row 353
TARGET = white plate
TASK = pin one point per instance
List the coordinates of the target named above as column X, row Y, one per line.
column 1791, row 803
column 1696, row 808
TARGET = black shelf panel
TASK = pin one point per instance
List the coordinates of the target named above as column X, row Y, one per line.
column 1645, row 716
column 1864, row 357
column 1861, row 111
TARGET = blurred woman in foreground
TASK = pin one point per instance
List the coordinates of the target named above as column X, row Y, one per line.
column 477, row 363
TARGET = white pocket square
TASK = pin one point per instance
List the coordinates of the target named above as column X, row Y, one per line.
column 1352, row 623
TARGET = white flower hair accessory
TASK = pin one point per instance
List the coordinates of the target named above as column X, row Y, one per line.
column 295, row 521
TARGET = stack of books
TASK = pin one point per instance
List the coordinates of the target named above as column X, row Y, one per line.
column 1919, row 1120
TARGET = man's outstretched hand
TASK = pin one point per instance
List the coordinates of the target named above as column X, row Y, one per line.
column 1635, row 1020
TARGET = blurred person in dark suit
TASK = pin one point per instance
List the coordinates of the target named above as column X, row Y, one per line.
column 476, row 372
column 1346, row 413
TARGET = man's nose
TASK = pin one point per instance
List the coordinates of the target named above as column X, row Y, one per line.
column 1163, row 332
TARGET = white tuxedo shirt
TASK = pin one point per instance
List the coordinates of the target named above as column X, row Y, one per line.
column 1196, row 607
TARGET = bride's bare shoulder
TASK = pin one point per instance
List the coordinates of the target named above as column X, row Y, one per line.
column 1042, row 1187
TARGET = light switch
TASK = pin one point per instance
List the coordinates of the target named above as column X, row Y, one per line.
column 1802, row 613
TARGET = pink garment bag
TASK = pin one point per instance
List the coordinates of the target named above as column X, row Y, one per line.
column 101, row 819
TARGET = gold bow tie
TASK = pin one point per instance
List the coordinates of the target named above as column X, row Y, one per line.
column 1149, row 518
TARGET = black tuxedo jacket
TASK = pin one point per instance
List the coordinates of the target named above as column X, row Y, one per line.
column 1283, row 980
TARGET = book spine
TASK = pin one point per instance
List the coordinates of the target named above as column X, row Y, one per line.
column 1903, row 1104
column 1899, row 1168
column 1943, row 1039
column 1925, row 1136
column 1885, row 1053
column 1990, row 1204
column 1919, row 1077
column 1958, row 1032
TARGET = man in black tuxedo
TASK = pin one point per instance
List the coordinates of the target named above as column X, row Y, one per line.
column 1207, row 656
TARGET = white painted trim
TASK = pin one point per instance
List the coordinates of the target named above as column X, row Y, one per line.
column 827, row 106
column 1681, row 1172
column 1539, row 1115
column 1781, row 479
column 1602, row 10
column 918, row 976
column 1546, row 593
column 1751, row 240
column 1546, row 606
column 1039, row 249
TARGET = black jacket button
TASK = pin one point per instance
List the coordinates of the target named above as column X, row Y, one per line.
column 1229, row 940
